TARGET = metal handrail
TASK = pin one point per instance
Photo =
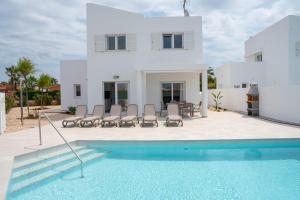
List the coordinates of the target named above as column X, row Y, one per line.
column 62, row 137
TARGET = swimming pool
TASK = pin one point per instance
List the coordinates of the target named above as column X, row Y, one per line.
column 252, row 169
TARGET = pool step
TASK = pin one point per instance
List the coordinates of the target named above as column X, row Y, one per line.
column 41, row 156
column 44, row 174
column 35, row 168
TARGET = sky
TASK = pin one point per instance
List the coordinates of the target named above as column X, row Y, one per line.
column 54, row 30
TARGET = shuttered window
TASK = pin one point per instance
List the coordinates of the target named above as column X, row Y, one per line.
column 167, row 41
column 121, row 42
column 178, row 41
column 171, row 41
column 111, row 43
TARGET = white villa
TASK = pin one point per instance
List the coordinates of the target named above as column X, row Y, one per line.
column 137, row 59
column 272, row 60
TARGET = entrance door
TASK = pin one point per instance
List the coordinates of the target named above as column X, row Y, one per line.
column 115, row 93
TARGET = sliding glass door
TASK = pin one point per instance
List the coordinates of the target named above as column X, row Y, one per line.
column 172, row 91
column 115, row 93
column 122, row 94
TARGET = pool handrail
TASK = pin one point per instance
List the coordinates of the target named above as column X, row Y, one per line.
column 43, row 114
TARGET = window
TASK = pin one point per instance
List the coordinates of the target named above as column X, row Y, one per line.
column 111, row 43
column 117, row 42
column 172, row 41
column 258, row 57
column 121, row 42
column 77, row 89
column 178, row 41
column 167, row 41
column 244, row 85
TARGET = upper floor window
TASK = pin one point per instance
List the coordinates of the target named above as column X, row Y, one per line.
column 172, row 41
column 116, row 42
column 77, row 90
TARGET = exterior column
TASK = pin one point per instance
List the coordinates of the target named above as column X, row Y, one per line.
column 204, row 93
column 139, row 91
column 144, row 88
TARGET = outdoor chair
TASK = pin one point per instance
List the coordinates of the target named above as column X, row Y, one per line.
column 98, row 113
column 173, row 115
column 186, row 109
column 131, row 117
column 149, row 115
column 197, row 107
column 80, row 113
column 115, row 115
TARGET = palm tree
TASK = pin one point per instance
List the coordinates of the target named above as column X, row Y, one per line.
column 43, row 83
column 31, row 82
column 12, row 73
column 25, row 69
column 54, row 81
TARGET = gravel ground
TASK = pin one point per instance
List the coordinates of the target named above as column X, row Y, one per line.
column 13, row 118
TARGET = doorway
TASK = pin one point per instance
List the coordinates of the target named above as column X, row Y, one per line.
column 115, row 93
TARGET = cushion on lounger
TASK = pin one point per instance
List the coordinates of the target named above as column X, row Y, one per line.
column 91, row 118
column 111, row 118
column 174, row 117
column 150, row 118
column 128, row 118
column 72, row 119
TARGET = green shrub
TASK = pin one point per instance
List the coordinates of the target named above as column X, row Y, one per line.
column 9, row 103
column 47, row 99
column 72, row 110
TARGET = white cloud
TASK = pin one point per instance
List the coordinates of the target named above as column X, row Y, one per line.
column 50, row 31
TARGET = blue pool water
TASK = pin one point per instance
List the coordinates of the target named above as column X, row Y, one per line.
column 265, row 169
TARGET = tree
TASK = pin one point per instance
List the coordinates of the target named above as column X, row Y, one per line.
column 31, row 82
column 25, row 69
column 210, row 71
column 54, row 81
column 212, row 82
column 43, row 83
column 12, row 73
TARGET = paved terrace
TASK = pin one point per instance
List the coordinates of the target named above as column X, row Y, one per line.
column 218, row 126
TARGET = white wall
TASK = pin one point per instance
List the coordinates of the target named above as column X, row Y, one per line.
column 2, row 113
column 234, row 99
column 294, row 57
column 237, row 73
column 279, row 103
column 273, row 42
column 278, row 76
column 102, row 66
column 154, row 80
column 73, row 72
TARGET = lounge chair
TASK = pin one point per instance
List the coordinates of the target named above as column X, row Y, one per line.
column 98, row 113
column 149, row 115
column 80, row 113
column 132, row 115
column 115, row 115
column 173, row 114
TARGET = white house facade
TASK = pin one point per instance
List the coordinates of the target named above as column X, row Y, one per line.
column 272, row 60
column 136, row 59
